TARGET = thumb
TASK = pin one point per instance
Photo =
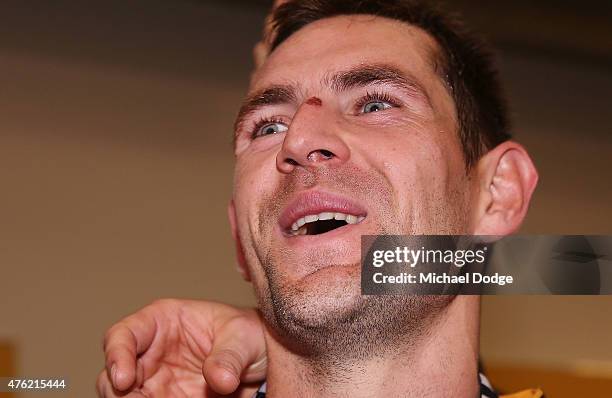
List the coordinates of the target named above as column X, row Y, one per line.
column 238, row 354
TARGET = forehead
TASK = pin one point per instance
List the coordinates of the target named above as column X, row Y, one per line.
column 343, row 42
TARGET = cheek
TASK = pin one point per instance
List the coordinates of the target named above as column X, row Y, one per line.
column 414, row 161
column 425, row 172
column 440, row 207
column 254, row 178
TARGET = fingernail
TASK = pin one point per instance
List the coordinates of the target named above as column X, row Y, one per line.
column 114, row 374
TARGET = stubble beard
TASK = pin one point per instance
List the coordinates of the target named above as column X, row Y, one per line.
column 337, row 326
column 332, row 325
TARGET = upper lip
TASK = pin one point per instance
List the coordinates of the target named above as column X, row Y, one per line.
column 315, row 202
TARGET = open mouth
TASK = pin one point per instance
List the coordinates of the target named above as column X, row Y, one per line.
column 317, row 224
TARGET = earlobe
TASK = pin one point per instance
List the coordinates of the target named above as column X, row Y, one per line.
column 506, row 180
column 242, row 266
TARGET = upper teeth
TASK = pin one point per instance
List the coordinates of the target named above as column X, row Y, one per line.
column 349, row 218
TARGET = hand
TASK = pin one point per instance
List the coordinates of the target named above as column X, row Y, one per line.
column 184, row 348
column 262, row 48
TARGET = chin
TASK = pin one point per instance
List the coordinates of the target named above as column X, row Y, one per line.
column 324, row 315
column 329, row 293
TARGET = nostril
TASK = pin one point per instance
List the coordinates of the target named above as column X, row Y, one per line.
column 291, row 162
column 327, row 154
column 320, row 154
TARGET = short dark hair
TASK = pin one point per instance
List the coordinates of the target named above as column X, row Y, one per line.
column 465, row 63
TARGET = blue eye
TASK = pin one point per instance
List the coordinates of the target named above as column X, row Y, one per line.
column 375, row 106
column 270, row 128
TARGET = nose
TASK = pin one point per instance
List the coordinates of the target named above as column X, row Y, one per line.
column 314, row 139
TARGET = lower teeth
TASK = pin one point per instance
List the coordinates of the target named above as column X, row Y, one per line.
column 321, row 227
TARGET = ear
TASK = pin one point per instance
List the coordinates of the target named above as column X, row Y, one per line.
column 242, row 267
column 506, row 178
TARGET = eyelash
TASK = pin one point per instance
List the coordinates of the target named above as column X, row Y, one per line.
column 262, row 122
column 369, row 97
column 376, row 96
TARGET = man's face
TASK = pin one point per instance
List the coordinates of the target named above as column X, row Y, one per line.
column 347, row 120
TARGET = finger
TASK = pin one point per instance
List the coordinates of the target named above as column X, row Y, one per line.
column 105, row 389
column 256, row 371
column 236, row 346
column 260, row 53
column 261, row 49
column 101, row 382
column 123, row 342
column 257, row 357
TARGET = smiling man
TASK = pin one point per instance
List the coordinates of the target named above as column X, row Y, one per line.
column 367, row 118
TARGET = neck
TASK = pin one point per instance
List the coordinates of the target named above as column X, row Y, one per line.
column 441, row 362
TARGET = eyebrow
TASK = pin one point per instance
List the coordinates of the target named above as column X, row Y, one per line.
column 365, row 75
column 273, row 95
column 359, row 76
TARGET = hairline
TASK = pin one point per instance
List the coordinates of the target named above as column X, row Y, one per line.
column 437, row 57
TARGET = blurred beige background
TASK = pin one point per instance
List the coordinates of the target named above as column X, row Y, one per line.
column 116, row 164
